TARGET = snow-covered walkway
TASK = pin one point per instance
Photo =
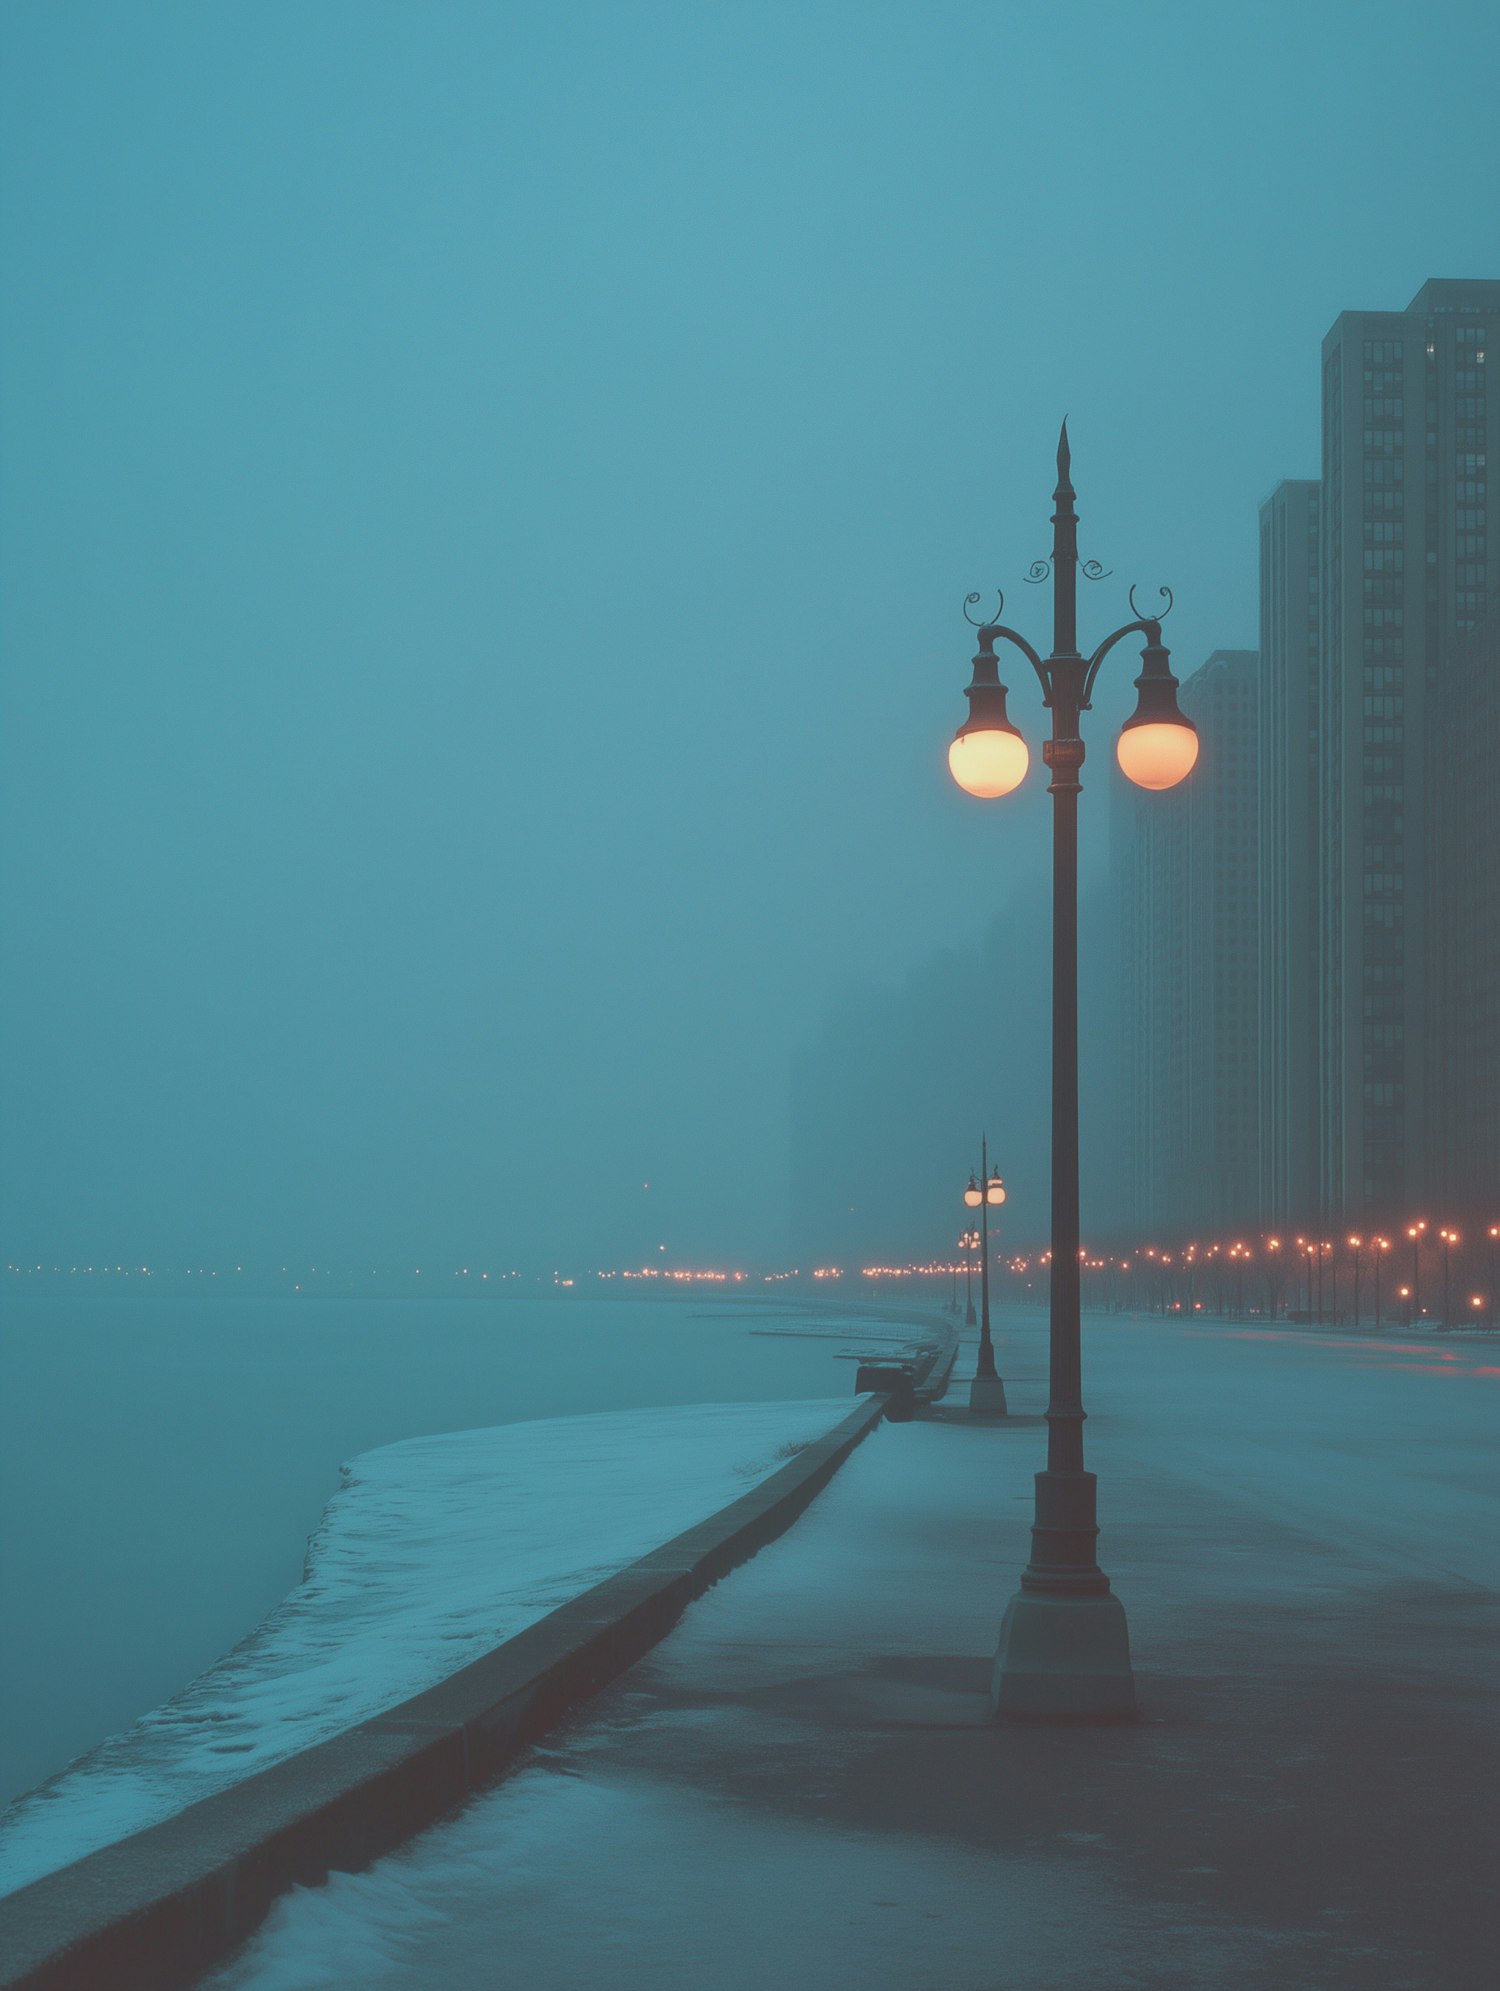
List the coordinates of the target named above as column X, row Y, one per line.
column 800, row 1785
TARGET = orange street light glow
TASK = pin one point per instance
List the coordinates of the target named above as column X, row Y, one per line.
column 988, row 762
column 1158, row 754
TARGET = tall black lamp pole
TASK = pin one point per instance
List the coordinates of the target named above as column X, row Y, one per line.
column 1064, row 1645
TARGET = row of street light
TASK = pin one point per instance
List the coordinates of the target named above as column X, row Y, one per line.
column 1263, row 1270
column 1234, row 1281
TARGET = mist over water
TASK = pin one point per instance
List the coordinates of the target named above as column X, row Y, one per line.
column 163, row 1463
column 488, row 499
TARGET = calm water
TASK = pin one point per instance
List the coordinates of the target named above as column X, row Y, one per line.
column 162, row 1462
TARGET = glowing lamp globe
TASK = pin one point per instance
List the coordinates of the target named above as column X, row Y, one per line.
column 972, row 1196
column 988, row 757
column 994, row 1190
column 989, row 762
column 1158, row 744
column 1157, row 756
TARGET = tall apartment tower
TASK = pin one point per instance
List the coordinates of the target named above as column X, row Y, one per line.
column 1410, row 551
column 1288, row 777
column 1465, row 1175
column 1184, row 866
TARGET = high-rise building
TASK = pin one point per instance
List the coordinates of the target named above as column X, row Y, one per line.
column 1185, row 873
column 1410, row 549
column 1288, row 826
column 1464, row 1181
column 1148, row 876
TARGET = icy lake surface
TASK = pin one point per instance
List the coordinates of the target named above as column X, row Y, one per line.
column 432, row 1553
column 163, row 1464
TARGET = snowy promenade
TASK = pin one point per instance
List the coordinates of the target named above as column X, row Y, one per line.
column 799, row 1785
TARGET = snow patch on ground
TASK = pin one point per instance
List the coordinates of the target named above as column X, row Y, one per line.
column 433, row 1551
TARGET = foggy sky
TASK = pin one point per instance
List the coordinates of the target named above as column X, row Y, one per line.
column 489, row 492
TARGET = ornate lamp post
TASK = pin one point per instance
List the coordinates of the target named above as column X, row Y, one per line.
column 987, row 1391
column 1064, row 1645
column 1355, row 1241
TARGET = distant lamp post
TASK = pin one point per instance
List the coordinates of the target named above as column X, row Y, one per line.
column 1494, row 1240
column 1354, row 1246
column 1414, row 1232
column 1380, row 1245
column 1450, row 1238
column 987, row 1391
column 1064, row 1644
column 974, row 1197
column 1404, row 1293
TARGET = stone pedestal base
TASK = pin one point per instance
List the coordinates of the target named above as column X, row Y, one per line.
column 987, row 1394
column 1063, row 1659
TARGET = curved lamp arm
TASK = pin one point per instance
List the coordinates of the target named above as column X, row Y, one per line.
column 1148, row 627
column 991, row 630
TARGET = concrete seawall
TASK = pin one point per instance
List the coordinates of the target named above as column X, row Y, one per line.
column 156, row 1909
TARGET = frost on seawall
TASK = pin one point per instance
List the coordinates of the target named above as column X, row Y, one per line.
column 432, row 1552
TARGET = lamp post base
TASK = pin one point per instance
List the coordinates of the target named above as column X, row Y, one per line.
column 987, row 1394
column 1063, row 1658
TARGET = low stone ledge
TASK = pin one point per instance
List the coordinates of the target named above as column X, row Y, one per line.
column 155, row 1910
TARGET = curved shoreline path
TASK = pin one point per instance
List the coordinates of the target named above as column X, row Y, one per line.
column 461, row 1591
column 801, row 1785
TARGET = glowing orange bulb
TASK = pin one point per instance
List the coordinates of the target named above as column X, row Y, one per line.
column 989, row 762
column 1158, row 754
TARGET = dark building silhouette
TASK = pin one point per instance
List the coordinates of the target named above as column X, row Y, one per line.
column 1464, row 1015
column 1288, row 780
column 1186, row 889
column 1409, row 550
column 889, row 1098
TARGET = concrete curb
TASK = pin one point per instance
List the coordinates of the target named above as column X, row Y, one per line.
column 155, row 1910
